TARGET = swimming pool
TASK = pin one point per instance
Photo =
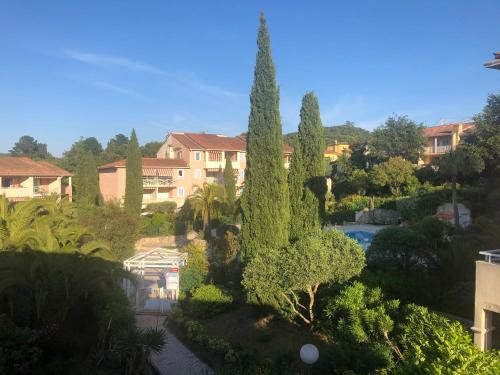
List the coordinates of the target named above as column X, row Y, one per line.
column 362, row 237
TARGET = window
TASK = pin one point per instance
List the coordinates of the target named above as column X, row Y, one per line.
column 6, row 182
column 242, row 174
column 242, row 156
column 179, row 154
column 180, row 191
column 197, row 173
column 197, row 155
column 180, row 173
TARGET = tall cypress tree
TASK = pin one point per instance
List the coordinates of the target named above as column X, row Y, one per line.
column 312, row 143
column 265, row 201
column 306, row 178
column 133, row 183
column 229, row 181
column 87, row 180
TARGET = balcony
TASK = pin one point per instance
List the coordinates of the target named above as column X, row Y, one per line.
column 437, row 150
column 17, row 192
column 154, row 182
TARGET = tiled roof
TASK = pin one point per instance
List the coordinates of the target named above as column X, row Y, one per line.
column 21, row 166
column 201, row 141
column 435, row 131
column 149, row 163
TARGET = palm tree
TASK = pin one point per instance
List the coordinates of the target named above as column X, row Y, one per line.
column 44, row 224
column 455, row 164
column 207, row 202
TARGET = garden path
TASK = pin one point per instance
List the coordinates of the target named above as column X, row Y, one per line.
column 175, row 358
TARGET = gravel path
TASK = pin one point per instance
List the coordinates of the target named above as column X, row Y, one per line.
column 175, row 358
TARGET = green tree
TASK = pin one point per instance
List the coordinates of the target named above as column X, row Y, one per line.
column 31, row 148
column 461, row 162
column 265, row 200
column 196, row 272
column 431, row 344
column 112, row 226
column 280, row 278
column 307, row 183
column 359, row 323
column 87, row 181
column 229, row 182
column 116, row 148
column 72, row 157
column 397, row 174
column 150, row 149
column 487, row 135
column 133, row 182
column 399, row 136
column 207, row 202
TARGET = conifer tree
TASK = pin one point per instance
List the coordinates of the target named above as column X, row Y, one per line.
column 229, row 182
column 306, row 179
column 265, row 201
column 87, row 180
column 133, row 182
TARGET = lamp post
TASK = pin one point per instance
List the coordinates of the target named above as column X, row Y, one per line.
column 309, row 354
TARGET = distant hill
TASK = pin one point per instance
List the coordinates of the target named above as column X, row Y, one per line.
column 342, row 133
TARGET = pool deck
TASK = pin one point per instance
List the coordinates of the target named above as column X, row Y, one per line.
column 370, row 228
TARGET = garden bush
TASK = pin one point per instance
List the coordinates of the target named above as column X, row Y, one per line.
column 160, row 224
column 397, row 248
column 163, row 207
column 196, row 272
column 209, row 300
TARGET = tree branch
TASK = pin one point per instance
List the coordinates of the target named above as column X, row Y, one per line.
column 295, row 310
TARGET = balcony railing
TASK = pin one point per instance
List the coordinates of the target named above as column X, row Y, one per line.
column 158, row 181
column 491, row 256
column 437, row 150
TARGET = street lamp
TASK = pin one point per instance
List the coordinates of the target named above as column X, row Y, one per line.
column 309, row 354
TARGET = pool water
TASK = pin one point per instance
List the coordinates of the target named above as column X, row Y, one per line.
column 362, row 237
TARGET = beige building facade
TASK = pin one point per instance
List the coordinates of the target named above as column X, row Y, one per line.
column 183, row 163
column 444, row 138
column 22, row 178
column 487, row 298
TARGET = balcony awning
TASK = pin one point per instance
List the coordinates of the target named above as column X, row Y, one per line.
column 165, row 172
column 148, row 171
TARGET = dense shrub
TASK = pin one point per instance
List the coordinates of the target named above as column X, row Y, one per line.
column 359, row 324
column 160, row 224
column 163, row 207
column 209, row 300
column 196, row 271
column 431, row 344
column 112, row 225
column 399, row 249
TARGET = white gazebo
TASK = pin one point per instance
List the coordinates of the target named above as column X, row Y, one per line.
column 157, row 274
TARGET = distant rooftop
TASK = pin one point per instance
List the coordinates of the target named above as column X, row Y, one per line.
column 495, row 63
column 21, row 166
column 149, row 163
column 436, row 131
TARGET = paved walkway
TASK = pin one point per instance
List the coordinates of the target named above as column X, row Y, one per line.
column 175, row 358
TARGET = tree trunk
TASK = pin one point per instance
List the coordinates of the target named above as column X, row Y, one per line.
column 206, row 229
column 454, row 201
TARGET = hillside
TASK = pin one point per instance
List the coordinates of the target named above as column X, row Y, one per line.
column 342, row 133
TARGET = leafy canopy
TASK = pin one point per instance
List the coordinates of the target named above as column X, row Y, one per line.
column 398, row 137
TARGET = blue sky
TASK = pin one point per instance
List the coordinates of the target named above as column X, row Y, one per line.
column 96, row 68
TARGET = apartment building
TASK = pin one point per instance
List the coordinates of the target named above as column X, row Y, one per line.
column 444, row 138
column 22, row 178
column 184, row 162
column 162, row 180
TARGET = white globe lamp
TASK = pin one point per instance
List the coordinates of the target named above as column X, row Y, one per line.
column 309, row 354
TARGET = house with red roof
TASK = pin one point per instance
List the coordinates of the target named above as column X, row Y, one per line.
column 184, row 162
column 22, row 178
column 444, row 138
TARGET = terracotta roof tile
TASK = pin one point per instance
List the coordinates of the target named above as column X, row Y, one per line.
column 21, row 166
column 435, row 131
column 149, row 163
column 202, row 141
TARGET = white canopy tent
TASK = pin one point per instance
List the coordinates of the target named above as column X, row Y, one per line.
column 157, row 273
